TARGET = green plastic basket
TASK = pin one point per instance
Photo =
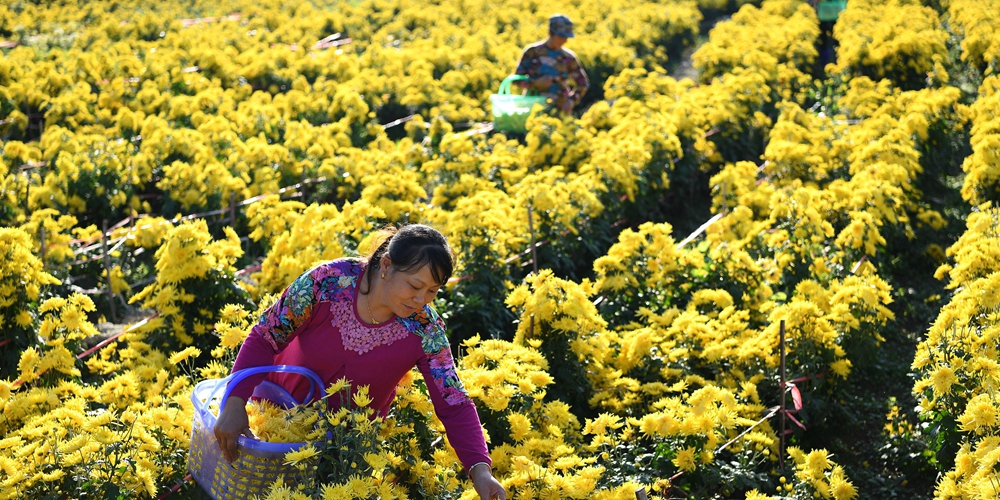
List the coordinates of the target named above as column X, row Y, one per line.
column 829, row 10
column 511, row 111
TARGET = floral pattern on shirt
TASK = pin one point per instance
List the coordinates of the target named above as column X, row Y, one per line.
column 434, row 340
column 538, row 60
column 291, row 311
column 336, row 282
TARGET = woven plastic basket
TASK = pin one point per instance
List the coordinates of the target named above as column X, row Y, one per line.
column 259, row 463
column 511, row 111
column 829, row 10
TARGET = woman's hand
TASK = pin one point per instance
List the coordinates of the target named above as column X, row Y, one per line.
column 566, row 106
column 232, row 423
column 542, row 83
column 486, row 485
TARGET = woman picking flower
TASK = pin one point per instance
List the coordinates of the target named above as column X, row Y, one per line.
column 369, row 321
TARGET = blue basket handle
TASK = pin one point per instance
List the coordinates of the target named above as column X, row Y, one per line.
column 505, row 84
column 234, row 379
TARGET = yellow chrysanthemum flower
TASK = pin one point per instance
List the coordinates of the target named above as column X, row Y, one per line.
column 306, row 452
column 181, row 356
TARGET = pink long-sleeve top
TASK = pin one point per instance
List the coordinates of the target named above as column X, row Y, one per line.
column 315, row 325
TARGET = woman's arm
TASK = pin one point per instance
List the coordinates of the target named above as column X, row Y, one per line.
column 455, row 408
column 579, row 76
column 277, row 326
column 457, row 412
column 452, row 403
column 461, row 422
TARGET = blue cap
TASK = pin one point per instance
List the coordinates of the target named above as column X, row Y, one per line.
column 560, row 25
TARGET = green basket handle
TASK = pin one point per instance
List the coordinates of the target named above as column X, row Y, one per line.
column 505, row 84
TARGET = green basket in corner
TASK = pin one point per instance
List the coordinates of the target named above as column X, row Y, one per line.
column 829, row 10
column 511, row 111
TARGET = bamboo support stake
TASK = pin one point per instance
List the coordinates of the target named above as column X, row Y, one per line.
column 640, row 494
column 534, row 263
column 27, row 193
column 41, row 241
column 781, row 445
column 725, row 201
column 107, row 268
column 534, row 253
column 232, row 210
column 305, row 186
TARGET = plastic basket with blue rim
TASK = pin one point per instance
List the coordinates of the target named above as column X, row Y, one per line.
column 259, row 463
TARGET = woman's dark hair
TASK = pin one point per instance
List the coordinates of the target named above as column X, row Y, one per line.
column 411, row 247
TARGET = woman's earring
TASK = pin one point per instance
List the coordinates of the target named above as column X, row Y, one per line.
column 383, row 275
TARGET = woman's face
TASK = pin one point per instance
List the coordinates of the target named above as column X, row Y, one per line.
column 556, row 42
column 408, row 292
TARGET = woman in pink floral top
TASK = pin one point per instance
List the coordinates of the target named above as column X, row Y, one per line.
column 369, row 321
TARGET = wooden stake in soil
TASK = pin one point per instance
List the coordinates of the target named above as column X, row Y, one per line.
column 305, row 185
column 27, row 193
column 41, row 241
column 534, row 264
column 534, row 254
column 725, row 196
column 107, row 267
column 232, row 210
column 781, row 444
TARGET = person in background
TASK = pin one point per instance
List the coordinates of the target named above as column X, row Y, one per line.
column 369, row 321
column 553, row 70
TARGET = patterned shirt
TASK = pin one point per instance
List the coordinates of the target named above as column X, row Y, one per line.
column 538, row 60
column 315, row 324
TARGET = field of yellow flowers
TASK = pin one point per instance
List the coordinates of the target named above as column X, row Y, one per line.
column 625, row 273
